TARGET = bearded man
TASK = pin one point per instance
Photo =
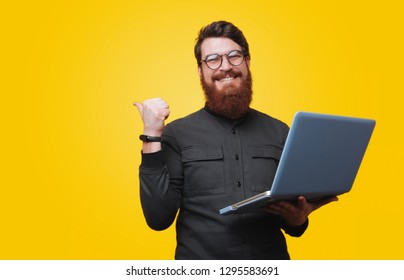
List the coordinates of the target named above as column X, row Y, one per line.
column 221, row 154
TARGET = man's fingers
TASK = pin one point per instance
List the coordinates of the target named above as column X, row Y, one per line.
column 301, row 201
column 156, row 103
column 165, row 113
column 323, row 202
column 153, row 112
column 158, row 106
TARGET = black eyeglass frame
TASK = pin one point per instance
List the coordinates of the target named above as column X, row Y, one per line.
column 227, row 56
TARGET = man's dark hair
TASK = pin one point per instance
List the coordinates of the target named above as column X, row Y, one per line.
column 220, row 29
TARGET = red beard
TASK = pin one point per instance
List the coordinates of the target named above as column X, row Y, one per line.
column 232, row 102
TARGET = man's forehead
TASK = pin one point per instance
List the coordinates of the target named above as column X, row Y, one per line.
column 218, row 45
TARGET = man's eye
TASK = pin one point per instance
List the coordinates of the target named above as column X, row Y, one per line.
column 235, row 54
column 213, row 58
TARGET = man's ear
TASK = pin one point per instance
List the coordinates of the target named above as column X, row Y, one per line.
column 199, row 71
column 247, row 61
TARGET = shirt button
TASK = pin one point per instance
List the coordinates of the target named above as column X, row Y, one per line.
column 238, row 184
column 236, row 157
column 233, row 131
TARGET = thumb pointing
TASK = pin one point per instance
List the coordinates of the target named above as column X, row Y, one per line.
column 139, row 107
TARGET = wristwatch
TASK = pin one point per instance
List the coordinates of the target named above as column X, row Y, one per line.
column 147, row 138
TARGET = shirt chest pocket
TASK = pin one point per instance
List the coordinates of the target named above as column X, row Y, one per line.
column 264, row 162
column 203, row 170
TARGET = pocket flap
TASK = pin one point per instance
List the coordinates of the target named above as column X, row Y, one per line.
column 270, row 151
column 200, row 153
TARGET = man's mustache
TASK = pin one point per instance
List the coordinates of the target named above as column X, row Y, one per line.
column 230, row 73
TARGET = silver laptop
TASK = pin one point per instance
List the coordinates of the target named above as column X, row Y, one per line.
column 321, row 158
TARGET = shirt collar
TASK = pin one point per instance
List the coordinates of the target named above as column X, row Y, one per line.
column 234, row 122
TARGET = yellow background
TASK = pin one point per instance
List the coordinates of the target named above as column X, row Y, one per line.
column 70, row 71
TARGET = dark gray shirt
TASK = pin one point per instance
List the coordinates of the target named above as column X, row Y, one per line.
column 207, row 163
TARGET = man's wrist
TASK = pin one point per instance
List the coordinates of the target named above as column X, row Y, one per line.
column 149, row 138
column 151, row 147
column 153, row 131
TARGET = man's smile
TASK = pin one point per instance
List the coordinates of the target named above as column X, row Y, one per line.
column 227, row 77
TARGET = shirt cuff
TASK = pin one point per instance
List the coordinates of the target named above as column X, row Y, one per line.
column 153, row 160
column 296, row 231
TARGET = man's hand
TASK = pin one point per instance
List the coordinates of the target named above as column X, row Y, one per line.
column 295, row 214
column 153, row 112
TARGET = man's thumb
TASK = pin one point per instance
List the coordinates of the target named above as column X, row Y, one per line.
column 139, row 107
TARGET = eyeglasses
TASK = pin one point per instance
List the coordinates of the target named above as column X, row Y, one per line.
column 214, row 61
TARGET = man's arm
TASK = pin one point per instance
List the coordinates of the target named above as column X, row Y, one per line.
column 159, row 198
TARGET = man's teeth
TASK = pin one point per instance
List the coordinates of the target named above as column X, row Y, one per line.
column 227, row 79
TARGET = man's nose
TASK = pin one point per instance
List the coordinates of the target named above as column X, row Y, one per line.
column 226, row 65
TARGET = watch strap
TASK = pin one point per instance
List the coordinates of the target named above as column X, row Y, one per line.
column 148, row 138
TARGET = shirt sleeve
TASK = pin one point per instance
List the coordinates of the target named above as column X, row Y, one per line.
column 295, row 231
column 160, row 193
